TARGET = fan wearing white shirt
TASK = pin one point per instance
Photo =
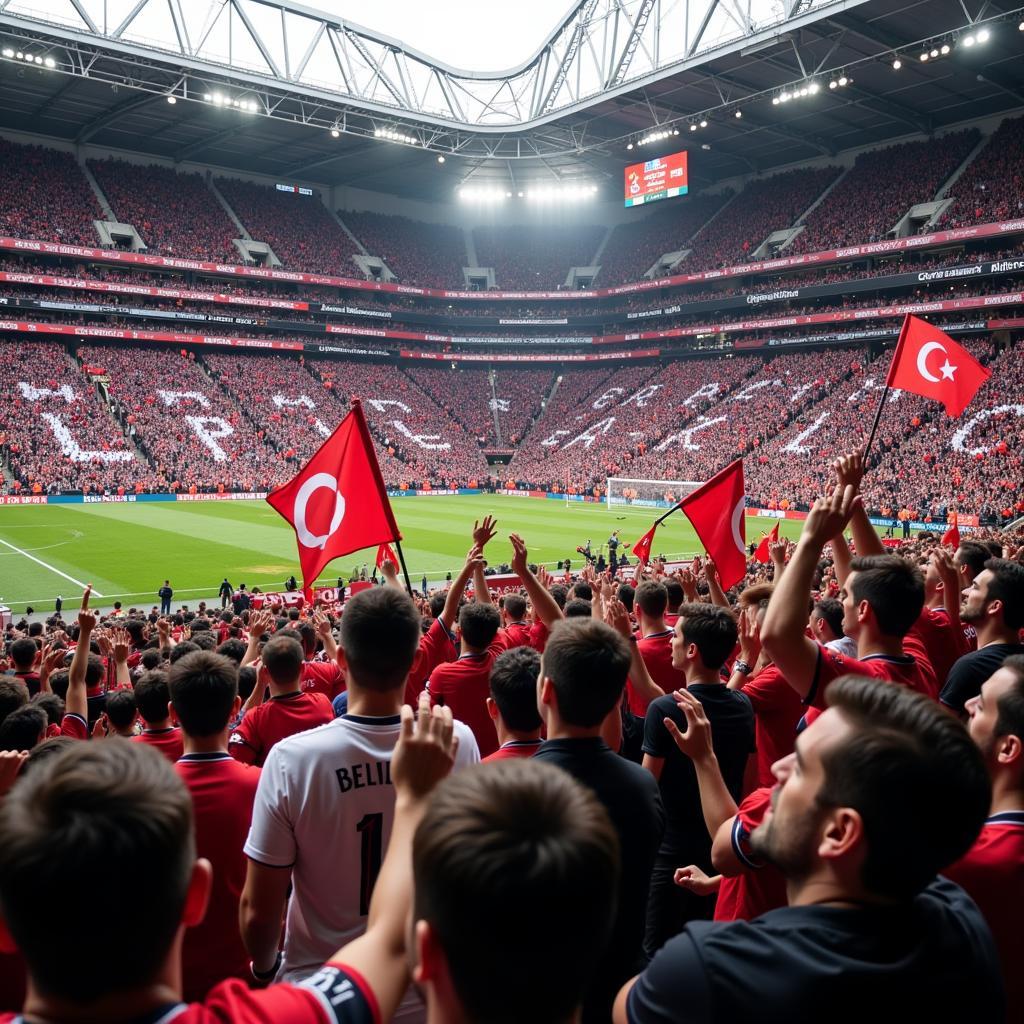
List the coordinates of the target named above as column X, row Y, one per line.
column 325, row 804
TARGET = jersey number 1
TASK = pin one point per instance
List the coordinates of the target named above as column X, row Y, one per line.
column 370, row 830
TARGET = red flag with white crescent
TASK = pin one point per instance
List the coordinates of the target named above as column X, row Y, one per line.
column 337, row 503
column 762, row 554
column 930, row 363
column 716, row 511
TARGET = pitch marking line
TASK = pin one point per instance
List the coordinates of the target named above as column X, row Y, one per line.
column 46, row 565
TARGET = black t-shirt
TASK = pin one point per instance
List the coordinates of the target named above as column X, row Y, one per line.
column 971, row 670
column 930, row 960
column 630, row 795
column 732, row 735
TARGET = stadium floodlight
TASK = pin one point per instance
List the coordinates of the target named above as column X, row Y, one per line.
column 172, row 100
column 983, row 36
column 924, row 56
column 703, row 123
column 897, row 64
column 208, row 97
column 933, row 52
column 20, row 55
column 8, row 52
column 844, row 81
column 629, row 145
column 944, row 49
column 738, row 114
column 968, row 41
column 335, row 134
column 50, row 62
column 440, row 158
column 693, row 127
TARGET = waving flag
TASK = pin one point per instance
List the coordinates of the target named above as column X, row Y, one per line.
column 929, row 363
column 762, row 554
column 716, row 511
column 336, row 503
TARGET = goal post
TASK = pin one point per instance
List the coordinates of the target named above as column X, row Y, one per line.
column 621, row 492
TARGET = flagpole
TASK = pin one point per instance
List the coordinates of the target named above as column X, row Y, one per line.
column 888, row 385
column 874, row 426
column 405, row 571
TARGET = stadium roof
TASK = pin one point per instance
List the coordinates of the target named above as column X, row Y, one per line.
column 272, row 87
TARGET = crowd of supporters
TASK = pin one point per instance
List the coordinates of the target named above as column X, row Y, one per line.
column 992, row 186
column 45, row 196
column 175, row 214
column 880, row 188
column 535, row 257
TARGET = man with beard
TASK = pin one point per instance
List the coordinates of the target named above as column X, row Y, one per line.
column 994, row 605
column 883, row 791
column 992, row 872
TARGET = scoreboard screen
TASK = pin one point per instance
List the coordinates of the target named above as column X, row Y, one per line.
column 656, row 179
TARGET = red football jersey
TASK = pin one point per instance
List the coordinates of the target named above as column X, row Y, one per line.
column 514, row 748
column 908, row 669
column 275, row 720
column 656, row 650
column 170, row 742
column 223, row 791
column 334, row 995
column 760, row 887
column 74, row 726
column 992, row 872
column 437, row 646
column 464, row 686
column 941, row 642
column 323, row 677
column 519, row 634
column 778, row 710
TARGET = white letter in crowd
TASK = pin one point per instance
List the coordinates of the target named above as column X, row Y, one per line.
column 381, row 404
column 704, row 391
column 643, row 395
column 592, row 433
column 608, row 397
column 307, row 403
column 200, row 424
column 174, row 397
column 797, row 446
column 33, row 394
column 685, row 437
column 553, row 440
column 421, row 439
column 959, row 440
column 745, row 394
column 70, row 447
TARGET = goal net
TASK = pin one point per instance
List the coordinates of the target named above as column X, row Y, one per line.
column 620, row 491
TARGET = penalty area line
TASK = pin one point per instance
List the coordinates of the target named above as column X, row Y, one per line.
column 46, row 565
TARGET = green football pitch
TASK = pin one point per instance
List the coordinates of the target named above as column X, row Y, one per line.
column 127, row 550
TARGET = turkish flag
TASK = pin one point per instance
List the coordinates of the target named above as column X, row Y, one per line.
column 761, row 554
column 337, row 503
column 716, row 512
column 642, row 547
column 385, row 554
column 952, row 535
column 929, row 363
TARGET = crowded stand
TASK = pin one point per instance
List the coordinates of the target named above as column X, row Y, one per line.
column 422, row 434
column 466, row 395
column 46, row 196
column 534, row 257
column 56, row 433
column 633, row 247
column 428, row 255
column 174, row 213
column 194, row 435
column 300, row 229
column 992, row 186
column 765, row 205
column 880, row 188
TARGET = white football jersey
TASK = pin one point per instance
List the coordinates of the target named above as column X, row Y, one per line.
column 324, row 807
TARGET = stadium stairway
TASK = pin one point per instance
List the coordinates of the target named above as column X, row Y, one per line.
column 98, row 192
column 817, row 202
column 344, row 227
column 235, row 219
column 943, row 190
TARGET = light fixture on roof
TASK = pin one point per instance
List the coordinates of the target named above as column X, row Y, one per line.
column 924, row 56
column 8, row 52
column 844, row 81
column 897, row 64
column 335, row 133
column 50, row 62
column 984, row 36
column 933, row 52
column 693, row 127
column 944, row 49
column 172, row 100
column 738, row 114
column 629, row 145
column 440, row 158
column 703, row 122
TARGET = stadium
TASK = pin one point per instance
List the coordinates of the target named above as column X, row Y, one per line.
column 725, row 269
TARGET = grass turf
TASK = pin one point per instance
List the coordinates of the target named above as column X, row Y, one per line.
column 127, row 550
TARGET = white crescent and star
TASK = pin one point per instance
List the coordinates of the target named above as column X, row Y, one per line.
column 946, row 369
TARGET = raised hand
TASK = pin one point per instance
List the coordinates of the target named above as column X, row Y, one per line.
column 829, row 515
column 697, row 881
column 425, row 752
column 321, row 622
column 616, row 616
column 519, row 563
column 750, row 636
column 484, row 532
column 10, row 764
column 121, row 644
column 849, row 469
column 695, row 743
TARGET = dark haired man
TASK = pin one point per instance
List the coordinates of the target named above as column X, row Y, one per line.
column 992, row 871
column 290, row 709
column 704, row 637
column 994, row 605
column 122, row 712
column 582, row 679
column 13, row 695
column 24, row 654
column 827, row 627
column 868, row 928
column 655, row 643
column 204, row 699
column 23, row 729
column 882, row 599
column 165, row 593
column 512, row 704
column 153, row 699
column 325, row 803
column 513, row 621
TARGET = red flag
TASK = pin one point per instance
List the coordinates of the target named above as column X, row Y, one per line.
column 642, row 547
column 929, row 363
column 716, row 512
column 952, row 535
column 337, row 502
column 385, row 554
column 761, row 554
